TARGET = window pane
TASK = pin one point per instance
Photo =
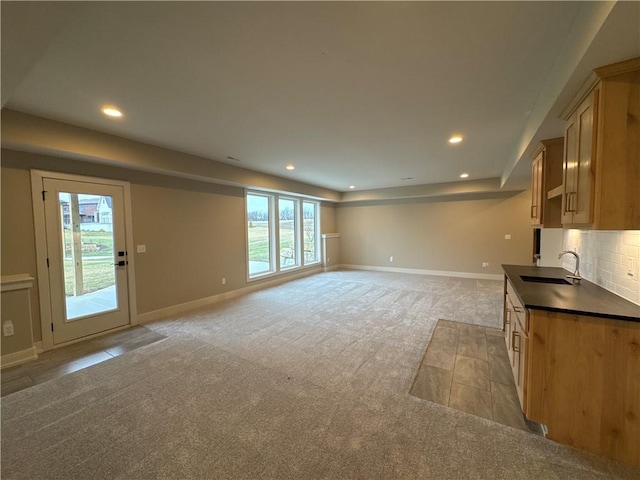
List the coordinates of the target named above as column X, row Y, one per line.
column 258, row 234
column 287, row 216
column 87, row 250
column 310, row 213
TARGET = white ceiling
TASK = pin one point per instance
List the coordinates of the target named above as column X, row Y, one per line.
column 349, row 92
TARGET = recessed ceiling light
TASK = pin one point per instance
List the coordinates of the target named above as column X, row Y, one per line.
column 111, row 112
column 455, row 139
column 352, row 187
column 464, row 175
column 290, row 167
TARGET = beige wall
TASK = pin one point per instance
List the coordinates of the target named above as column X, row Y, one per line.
column 327, row 217
column 193, row 231
column 15, row 307
column 452, row 236
column 193, row 239
column 18, row 244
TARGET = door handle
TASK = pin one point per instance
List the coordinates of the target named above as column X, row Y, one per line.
column 121, row 263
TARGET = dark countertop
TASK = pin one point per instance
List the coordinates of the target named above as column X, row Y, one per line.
column 585, row 298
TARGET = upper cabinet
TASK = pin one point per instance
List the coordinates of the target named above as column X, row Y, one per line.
column 601, row 167
column 546, row 182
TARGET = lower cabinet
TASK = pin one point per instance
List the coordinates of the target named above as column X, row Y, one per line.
column 579, row 375
column 517, row 340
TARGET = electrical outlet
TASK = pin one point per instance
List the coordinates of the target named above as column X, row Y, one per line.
column 391, row 259
column 224, row 281
column 141, row 248
column 7, row 328
column 507, row 236
column 631, row 268
column 485, row 264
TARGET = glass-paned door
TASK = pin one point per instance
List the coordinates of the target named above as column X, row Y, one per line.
column 87, row 256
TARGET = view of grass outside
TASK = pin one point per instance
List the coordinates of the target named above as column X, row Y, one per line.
column 259, row 241
column 97, row 261
column 260, row 220
column 309, row 225
column 287, row 217
column 258, row 235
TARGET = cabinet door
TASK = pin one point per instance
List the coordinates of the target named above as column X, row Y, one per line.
column 582, row 203
column 537, row 189
column 569, row 168
column 577, row 200
column 521, row 345
column 508, row 327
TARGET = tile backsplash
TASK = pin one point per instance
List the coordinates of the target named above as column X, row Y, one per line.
column 609, row 259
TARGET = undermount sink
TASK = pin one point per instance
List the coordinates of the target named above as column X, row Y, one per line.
column 558, row 281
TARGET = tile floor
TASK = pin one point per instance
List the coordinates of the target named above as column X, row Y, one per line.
column 61, row 361
column 466, row 367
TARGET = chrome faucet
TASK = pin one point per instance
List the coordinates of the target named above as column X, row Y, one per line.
column 576, row 275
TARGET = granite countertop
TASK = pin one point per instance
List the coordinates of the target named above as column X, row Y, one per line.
column 584, row 298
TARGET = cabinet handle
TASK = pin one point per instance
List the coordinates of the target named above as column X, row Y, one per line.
column 513, row 341
column 570, row 202
column 507, row 321
column 517, row 309
column 534, row 208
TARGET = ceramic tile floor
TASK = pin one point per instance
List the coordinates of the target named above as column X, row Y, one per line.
column 466, row 367
column 61, row 361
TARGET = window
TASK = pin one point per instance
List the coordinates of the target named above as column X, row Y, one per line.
column 310, row 230
column 284, row 241
column 259, row 234
column 288, row 243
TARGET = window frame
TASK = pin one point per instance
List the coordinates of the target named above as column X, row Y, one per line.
column 271, row 235
column 276, row 266
column 317, row 237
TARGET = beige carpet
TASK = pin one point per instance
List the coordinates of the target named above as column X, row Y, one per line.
column 307, row 380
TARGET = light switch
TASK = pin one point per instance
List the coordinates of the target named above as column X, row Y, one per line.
column 141, row 248
column 507, row 236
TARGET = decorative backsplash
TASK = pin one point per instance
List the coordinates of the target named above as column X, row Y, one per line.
column 609, row 259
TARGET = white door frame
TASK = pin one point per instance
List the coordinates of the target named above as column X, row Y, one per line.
column 44, row 291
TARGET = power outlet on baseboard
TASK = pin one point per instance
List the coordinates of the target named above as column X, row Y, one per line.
column 7, row 328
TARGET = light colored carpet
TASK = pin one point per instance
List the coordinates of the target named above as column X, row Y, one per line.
column 307, row 380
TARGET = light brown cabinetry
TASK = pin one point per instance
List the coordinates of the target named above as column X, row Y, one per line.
column 516, row 338
column 601, row 166
column 546, row 178
column 579, row 375
column 584, row 382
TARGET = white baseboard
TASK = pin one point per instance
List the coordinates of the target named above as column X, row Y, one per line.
column 16, row 358
column 332, row 268
column 419, row 271
column 203, row 302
